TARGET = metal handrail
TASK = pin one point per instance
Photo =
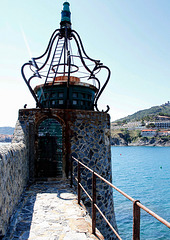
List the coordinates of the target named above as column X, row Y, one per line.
column 136, row 203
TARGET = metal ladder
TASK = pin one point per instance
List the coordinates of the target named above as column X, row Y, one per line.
column 55, row 59
column 57, row 55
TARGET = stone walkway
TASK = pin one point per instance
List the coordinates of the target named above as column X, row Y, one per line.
column 49, row 211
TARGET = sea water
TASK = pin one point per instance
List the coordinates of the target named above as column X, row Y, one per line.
column 4, row 143
column 144, row 174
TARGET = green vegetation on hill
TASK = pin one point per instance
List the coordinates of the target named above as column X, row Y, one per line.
column 127, row 135
column 147, row 114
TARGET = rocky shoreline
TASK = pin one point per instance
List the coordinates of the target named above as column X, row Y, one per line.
column 154, row 142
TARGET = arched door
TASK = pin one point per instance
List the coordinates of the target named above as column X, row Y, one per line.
column 49, row 153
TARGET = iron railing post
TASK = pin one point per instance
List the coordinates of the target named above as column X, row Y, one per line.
column 79, row 188
column 136, row 203
column 71, row 179
column 136, row 221
column 93, row 204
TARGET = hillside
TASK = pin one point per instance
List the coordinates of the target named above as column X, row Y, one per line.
column 127, row 131
column 6, row 130
column 148, row 114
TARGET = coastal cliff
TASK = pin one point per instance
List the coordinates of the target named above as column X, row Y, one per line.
column 126, row 139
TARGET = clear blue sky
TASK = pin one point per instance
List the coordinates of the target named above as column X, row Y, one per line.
column 131, row 37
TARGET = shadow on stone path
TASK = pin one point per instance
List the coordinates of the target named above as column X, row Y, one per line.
column 49, row 211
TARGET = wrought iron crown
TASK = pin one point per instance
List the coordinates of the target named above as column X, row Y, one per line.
column 60, row 59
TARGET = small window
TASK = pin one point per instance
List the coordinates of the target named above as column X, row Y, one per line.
column 61, row 94
column 83, row 95
column 82, row 103
column 53, row 102
column 53, row 95
column 61, row 102
column 89, row 97
column 74, row 102
column 75, row 95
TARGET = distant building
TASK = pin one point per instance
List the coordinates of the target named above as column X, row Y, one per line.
column 148, row 133
column 162, row 124
column 164, row 133
column 5, row 138
column 166, row 104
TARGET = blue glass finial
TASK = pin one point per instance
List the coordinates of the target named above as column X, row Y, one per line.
column 66, row 14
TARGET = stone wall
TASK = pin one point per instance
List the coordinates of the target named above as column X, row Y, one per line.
column 90, row 143
column 14, row 174
column 86, row 135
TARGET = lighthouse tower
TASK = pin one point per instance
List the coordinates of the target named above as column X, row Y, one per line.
column 65, row 83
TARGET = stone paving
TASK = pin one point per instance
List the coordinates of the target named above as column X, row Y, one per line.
column 49, row 211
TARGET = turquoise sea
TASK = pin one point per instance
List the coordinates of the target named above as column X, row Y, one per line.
column 144, row 174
